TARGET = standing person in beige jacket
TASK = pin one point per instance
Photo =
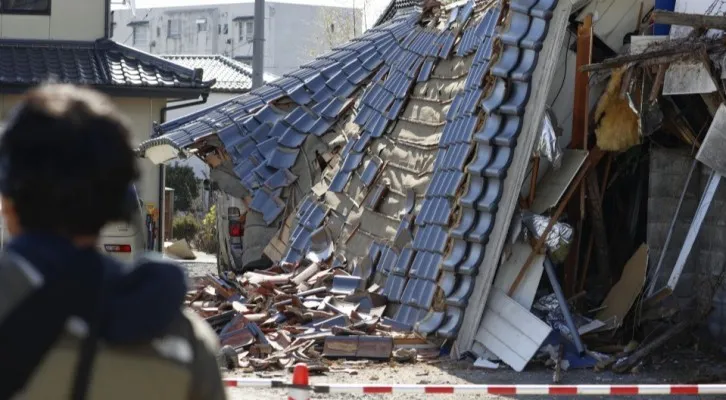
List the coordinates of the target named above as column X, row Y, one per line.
column 75, row 323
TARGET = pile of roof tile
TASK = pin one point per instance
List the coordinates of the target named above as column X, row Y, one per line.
column 300, row 313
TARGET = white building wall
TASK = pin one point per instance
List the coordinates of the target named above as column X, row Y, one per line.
column 294, row 33
column 68, row 20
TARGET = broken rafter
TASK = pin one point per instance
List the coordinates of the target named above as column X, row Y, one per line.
column 593, row 158
column 627, row 363
column 671, row 51
column 692, row 20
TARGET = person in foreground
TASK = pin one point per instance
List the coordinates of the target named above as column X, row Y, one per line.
column 75, row 323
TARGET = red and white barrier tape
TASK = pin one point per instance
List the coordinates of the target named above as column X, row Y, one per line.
column 520, row 390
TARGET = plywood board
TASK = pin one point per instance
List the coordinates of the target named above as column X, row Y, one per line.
column 624, row 293
column 687, row 78
column 510, row 331
column 507, row 273
column 554, row 185
column 690, row 77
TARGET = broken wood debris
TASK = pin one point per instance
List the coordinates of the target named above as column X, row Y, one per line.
column 271, row 319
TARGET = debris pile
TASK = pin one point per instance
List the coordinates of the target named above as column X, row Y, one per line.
column 308, row 312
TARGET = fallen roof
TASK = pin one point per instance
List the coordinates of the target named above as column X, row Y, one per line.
column 396, row 144
column 230, row 76
column 104, row 64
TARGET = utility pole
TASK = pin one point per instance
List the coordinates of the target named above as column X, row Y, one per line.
column 258, row 44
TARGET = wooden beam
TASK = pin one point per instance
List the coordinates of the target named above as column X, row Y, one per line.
column 626, row 364
column 580, row 133
column 692, row 20
column 670, row 52
column 582, row 84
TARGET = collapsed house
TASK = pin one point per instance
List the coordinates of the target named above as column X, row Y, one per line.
column 422, row 165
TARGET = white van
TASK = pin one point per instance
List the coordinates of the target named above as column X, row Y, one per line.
column 125, row 241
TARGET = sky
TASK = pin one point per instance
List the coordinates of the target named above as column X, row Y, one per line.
column 372, row 8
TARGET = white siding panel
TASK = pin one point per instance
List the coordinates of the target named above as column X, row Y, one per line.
column 25, row 27
column 77, row 19
column 510, row 331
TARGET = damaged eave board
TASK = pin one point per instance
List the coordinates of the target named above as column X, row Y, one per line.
column 690, row 77
column 161, row 153
column 555, row 183
column 510, row 331
column 534, row 112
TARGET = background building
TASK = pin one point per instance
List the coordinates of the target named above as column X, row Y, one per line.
column 295, row 32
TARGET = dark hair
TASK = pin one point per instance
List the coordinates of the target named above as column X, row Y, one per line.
column 66, row 161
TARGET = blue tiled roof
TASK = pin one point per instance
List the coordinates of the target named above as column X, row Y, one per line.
column 372, row 78
column 100, row 63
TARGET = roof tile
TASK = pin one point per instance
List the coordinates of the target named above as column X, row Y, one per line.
column 101, row 63
column 230, row 75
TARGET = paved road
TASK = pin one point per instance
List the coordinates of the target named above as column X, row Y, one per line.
column 204, row 264
column 446, row 372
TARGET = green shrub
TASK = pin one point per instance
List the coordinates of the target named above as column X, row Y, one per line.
column 185, row 227
column 206, row 239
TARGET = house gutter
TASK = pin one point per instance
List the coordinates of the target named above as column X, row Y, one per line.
column 162, row 170
column 107, row 20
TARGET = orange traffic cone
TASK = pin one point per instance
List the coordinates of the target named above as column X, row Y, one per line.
column 300, row 377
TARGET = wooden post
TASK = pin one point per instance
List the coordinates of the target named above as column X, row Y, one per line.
column 580, row 132
column 582, row 83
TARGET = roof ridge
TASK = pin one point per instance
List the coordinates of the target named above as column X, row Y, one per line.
column 151, row 59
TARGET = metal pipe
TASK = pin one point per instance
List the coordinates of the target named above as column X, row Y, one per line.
column 258, row 44
column 706, row 200
column 561, row 299
column 552, row 275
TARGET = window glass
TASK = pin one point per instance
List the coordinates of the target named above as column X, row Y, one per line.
column 25, row 6
column 201, row 25
column 141, row 35
column 174, row 28
column 250, row 30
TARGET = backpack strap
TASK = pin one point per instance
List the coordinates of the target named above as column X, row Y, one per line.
column 33, row 316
